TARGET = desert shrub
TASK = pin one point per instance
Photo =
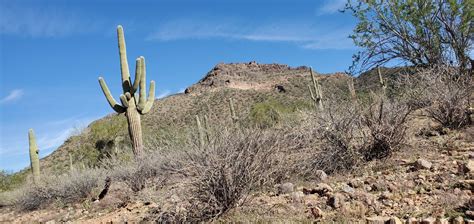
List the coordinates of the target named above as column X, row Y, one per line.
column 9, row 181
column 220, row 176
column 445, row 93
column 67, row 188
column 351, row 132
column 137, row 174
column 339, row 132
column 385, row 122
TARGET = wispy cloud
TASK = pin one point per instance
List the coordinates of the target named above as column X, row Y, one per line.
column 25, row 20
column 304, row 35
column 14, row 95
column 331, row 6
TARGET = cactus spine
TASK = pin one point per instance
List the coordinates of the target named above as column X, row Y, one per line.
column 131, row 106
column 316, row 92
column 382, row 82
column 34, row 156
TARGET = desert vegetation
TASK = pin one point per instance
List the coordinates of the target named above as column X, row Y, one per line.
column 335, row 148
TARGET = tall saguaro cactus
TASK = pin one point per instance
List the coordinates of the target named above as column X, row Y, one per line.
column 34, row 156
column 132, row 106
column 315, row 91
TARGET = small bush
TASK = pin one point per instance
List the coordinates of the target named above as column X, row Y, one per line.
column 64, row 189
column 222, row 175
column 445, row 93
column 339, row 132
column 351, row 133
column 385, row 122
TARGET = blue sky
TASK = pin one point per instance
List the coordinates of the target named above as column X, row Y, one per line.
column 51, row 53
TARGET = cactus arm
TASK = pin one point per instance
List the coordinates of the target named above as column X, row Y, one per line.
column 150, row 100
column 138, row 75
column 142, row 97
column 117, row 107
column 123, row 60
column 124, row 100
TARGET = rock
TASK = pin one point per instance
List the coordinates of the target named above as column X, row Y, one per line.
column 50, row 222
column 412, row 221
column 469, row 213
column 348, row 189
column 316, row 212
column 395, row 220
column 335, row 201
column 285, row 188
column 467, row 167
column 458, row 220
column 320, row 175
column 429, row 220
column 377, row 220
column 321, row 189
column 442, row 221
column 422, row 164
column 355, row 183
column 386, row 195
column 297, row 197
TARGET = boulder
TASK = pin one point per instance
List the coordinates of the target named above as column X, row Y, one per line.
column 423, row 164
column 285, row 188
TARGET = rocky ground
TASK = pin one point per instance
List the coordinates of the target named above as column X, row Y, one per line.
column 430, row 180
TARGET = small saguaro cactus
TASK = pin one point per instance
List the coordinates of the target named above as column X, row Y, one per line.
column 200, row 132
column 382, row 82
column 233, row 115
column 132, row 106
column 315, row 91
column 350, row 84
column 34, row 156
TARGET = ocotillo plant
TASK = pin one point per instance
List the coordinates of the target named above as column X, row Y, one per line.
column 316, row 92
column 131, row 106
column 34, row 156
column 382, row 82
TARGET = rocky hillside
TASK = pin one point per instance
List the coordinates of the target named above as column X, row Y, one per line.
column 252, row 86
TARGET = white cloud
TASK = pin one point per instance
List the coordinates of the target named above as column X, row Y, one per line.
column 304, row 35
column 14, row 95
column 41, row 21
column 331, row 6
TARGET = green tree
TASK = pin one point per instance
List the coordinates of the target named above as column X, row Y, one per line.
column 418, row 32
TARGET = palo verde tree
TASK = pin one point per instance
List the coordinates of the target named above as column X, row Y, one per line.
column 132, row 105
column 418, row 32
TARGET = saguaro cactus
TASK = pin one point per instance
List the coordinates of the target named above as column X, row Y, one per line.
column 350, row 84
column 34, row 156
column 131, row 106
column 232, row 111
column 315, row 91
